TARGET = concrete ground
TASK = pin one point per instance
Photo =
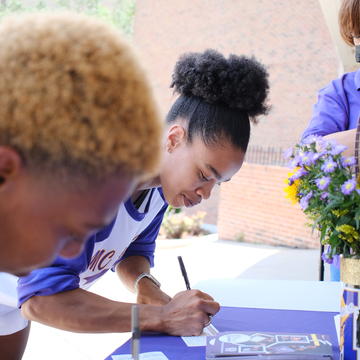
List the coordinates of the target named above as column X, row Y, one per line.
column 205, row 258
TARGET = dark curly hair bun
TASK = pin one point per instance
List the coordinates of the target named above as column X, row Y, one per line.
column 238, row 82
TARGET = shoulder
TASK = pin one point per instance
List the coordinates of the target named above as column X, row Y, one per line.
column 347, row 83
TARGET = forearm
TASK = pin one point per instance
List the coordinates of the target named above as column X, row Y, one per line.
column 346, row 138
column 82, row 311
column 147, row 292
column 129, row 269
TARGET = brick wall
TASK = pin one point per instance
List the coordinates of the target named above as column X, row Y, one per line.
column 253, row 207
column 289, row 36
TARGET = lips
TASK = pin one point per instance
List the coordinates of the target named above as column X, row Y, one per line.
column 190, row 203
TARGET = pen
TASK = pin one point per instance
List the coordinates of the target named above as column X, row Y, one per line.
column 135, row 338
column 184, row 273
column 210, row 329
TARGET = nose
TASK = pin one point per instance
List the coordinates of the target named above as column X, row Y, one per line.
column 205, row 190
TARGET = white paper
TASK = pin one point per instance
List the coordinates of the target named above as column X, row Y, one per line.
column 210, row 330
column 195, row 340
column 337, row 326
column 153, row 355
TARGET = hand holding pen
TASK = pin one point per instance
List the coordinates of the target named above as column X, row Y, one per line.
column 209, row 329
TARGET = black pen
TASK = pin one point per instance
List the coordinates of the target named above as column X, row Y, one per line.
column 209, row 329
column 135, row 338
column 184, row 273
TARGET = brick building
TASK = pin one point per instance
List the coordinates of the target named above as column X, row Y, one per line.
column 291, row 38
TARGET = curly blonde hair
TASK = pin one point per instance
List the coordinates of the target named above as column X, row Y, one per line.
column 73, row 97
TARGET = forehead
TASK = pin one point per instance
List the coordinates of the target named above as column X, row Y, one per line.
column 224, row 157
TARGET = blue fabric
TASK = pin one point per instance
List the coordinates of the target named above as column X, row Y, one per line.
column 245, row 319
column 338, row 106
column 334, row 272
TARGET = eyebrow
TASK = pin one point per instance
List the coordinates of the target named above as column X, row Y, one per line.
column 214, row 171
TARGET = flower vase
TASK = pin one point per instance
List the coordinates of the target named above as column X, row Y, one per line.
column 349, row 314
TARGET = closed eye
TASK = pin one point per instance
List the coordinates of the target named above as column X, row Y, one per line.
column 202, row 177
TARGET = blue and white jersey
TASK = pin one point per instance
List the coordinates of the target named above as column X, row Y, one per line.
column 133, row 232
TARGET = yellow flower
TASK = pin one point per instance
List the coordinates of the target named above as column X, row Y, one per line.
column 291, row 190
column 350, row 233
column 339, row 213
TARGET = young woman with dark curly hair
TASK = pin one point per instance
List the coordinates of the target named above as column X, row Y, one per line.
column 205, row 144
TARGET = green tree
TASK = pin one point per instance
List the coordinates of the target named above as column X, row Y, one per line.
column 120, row 13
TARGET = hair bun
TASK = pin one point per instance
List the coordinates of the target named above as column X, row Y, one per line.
column 238, row 82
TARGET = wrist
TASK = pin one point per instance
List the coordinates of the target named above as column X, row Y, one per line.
column 151, row 318
column 145, row 279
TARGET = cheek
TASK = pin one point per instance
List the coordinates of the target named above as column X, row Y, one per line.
column 72, row 248
column 33, row 249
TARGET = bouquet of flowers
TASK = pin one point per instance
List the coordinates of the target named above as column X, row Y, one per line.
column 323, row 183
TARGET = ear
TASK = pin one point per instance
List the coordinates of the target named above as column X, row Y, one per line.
column 175, row 137
column 10, row 165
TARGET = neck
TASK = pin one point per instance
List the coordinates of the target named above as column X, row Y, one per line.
column 151, row 183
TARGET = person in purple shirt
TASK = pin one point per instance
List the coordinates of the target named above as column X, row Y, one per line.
column 336, row 114
column 208, row 131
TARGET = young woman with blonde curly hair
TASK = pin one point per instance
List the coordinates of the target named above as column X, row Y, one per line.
column 78, row 130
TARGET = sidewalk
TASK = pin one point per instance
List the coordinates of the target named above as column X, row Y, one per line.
column 204, row 258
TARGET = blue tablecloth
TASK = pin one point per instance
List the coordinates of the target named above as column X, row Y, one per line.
column 246, row 319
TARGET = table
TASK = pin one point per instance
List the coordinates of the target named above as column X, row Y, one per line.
column 275, row 294
column 266, row 305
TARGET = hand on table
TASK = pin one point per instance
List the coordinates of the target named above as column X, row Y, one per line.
column 188, row 313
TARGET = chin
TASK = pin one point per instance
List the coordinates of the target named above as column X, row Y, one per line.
column 176, row 202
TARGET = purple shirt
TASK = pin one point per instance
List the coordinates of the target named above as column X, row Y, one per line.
column 338, row 106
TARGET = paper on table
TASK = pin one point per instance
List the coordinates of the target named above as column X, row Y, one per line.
column 195, row 340
column 153, row 355
column 210, row 330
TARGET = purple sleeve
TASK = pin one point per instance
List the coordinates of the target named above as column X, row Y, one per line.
column 331, row 112
column 62, row 275
column 144, row 245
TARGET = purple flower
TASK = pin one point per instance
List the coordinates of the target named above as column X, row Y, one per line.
column 307, row 158
column 288, row 153
column 294, row 162
column 323, row 182
column 324, row 195
column 348, row 161
column 338, row 149
column 312, row 139
column 329, row 166
column 301, row 172
column 326, row 258
column 304, row 201
column 326, row 255
column 348, row 186
column 318, row 155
